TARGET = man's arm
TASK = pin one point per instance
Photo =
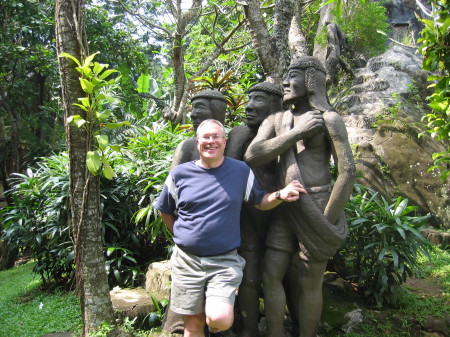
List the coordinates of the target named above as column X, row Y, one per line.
column 168, row 219
column 290, row 193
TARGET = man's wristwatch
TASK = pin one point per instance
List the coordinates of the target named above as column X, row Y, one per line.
column 278, row 196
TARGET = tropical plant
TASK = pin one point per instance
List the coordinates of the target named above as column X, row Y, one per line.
column 435, row 48
column 360, row 21
column 383, row 245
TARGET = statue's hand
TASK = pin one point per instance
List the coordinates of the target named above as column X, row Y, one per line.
column 308, row 124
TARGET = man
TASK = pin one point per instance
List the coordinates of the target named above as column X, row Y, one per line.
column 207, row 104
column 200, row 203
column 264, row 99
column 302, row 140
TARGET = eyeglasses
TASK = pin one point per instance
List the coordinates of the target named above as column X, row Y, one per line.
column 206, row 138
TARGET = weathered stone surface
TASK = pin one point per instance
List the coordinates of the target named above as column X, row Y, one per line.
column 132, row 303
column 390, row 156
column 157, row 280
column 437, row 237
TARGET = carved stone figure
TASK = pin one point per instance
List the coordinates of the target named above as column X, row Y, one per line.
column 303, row 139
column 264, row 99
column 207, row 104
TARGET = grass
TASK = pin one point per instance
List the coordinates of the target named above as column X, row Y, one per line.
column 414, row 306
column 28, row 311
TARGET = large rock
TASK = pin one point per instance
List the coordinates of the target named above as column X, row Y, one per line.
column 383, row 117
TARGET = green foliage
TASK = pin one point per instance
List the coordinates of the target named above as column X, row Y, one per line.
column 37, row 223
column 435, row 48
column 133, row 234
column 97, row 112
column 36, row 312
column 383, row 245
column 360, row 21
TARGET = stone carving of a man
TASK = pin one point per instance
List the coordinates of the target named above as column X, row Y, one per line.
column 264, row 99
column 206, row 104
column 303, row 139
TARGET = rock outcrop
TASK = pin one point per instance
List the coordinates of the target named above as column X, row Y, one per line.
column 383, row 117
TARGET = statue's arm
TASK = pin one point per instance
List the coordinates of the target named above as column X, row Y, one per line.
column 184, row 152
column 237, row 138
column 267, row 145
column 343, row 159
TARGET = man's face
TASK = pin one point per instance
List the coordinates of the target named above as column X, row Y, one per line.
column 258, row 108
column 211, row 142
column 200, row 111
column 294, row 87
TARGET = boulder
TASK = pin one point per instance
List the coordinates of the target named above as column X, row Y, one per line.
column 132, row 303
column 157, row 280
column 383, row 116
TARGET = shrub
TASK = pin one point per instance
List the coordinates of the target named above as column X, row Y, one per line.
column 383, row 244
column 37, row 222
column 360, row 21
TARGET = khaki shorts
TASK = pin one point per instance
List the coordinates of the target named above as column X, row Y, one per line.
column 197, row 279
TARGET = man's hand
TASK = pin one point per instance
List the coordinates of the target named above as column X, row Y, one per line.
column 292, row 191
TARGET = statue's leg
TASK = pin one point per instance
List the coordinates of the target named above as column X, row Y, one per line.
column 275, row 266
column 310, row 297
column 249, row 293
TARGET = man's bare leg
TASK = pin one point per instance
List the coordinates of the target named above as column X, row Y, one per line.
column 194, row 325
column 219, row 316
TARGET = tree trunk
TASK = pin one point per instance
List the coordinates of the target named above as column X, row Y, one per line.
column 84, row 192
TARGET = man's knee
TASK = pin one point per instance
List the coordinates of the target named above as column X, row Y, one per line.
column 219, row 316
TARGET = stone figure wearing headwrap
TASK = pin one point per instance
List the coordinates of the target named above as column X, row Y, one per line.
column 302, row 140
column 206, row 104
column 264, row 99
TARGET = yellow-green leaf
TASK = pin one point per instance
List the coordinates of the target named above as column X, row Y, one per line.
column 93, row 162
column 102, row 141
column 88, row 60
column 76, row 120
column 86, row 85
column 116, row 125
column 73, row 58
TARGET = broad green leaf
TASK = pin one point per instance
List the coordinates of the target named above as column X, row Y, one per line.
column 117, row 125
column 102, row 141
column 109, row 172
column 143, row 83
column 88, row 60
column 76, row 120
column 103, row 116
column 86, row 85
column 93, row 162
column 81, row 106
column 107, row 72
column 85, row 101
column 98, row 67
column 73, row 58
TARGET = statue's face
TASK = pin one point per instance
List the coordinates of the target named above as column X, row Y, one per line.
column 258, row 108
column 200, row 111
column 294, row 87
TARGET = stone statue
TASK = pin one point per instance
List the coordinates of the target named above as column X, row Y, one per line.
column 264, row 99
column 303, row 139
column 207, row 104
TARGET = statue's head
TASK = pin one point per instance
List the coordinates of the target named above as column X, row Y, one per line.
column 306, row 79
column 208, row 104
column 264, row 99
